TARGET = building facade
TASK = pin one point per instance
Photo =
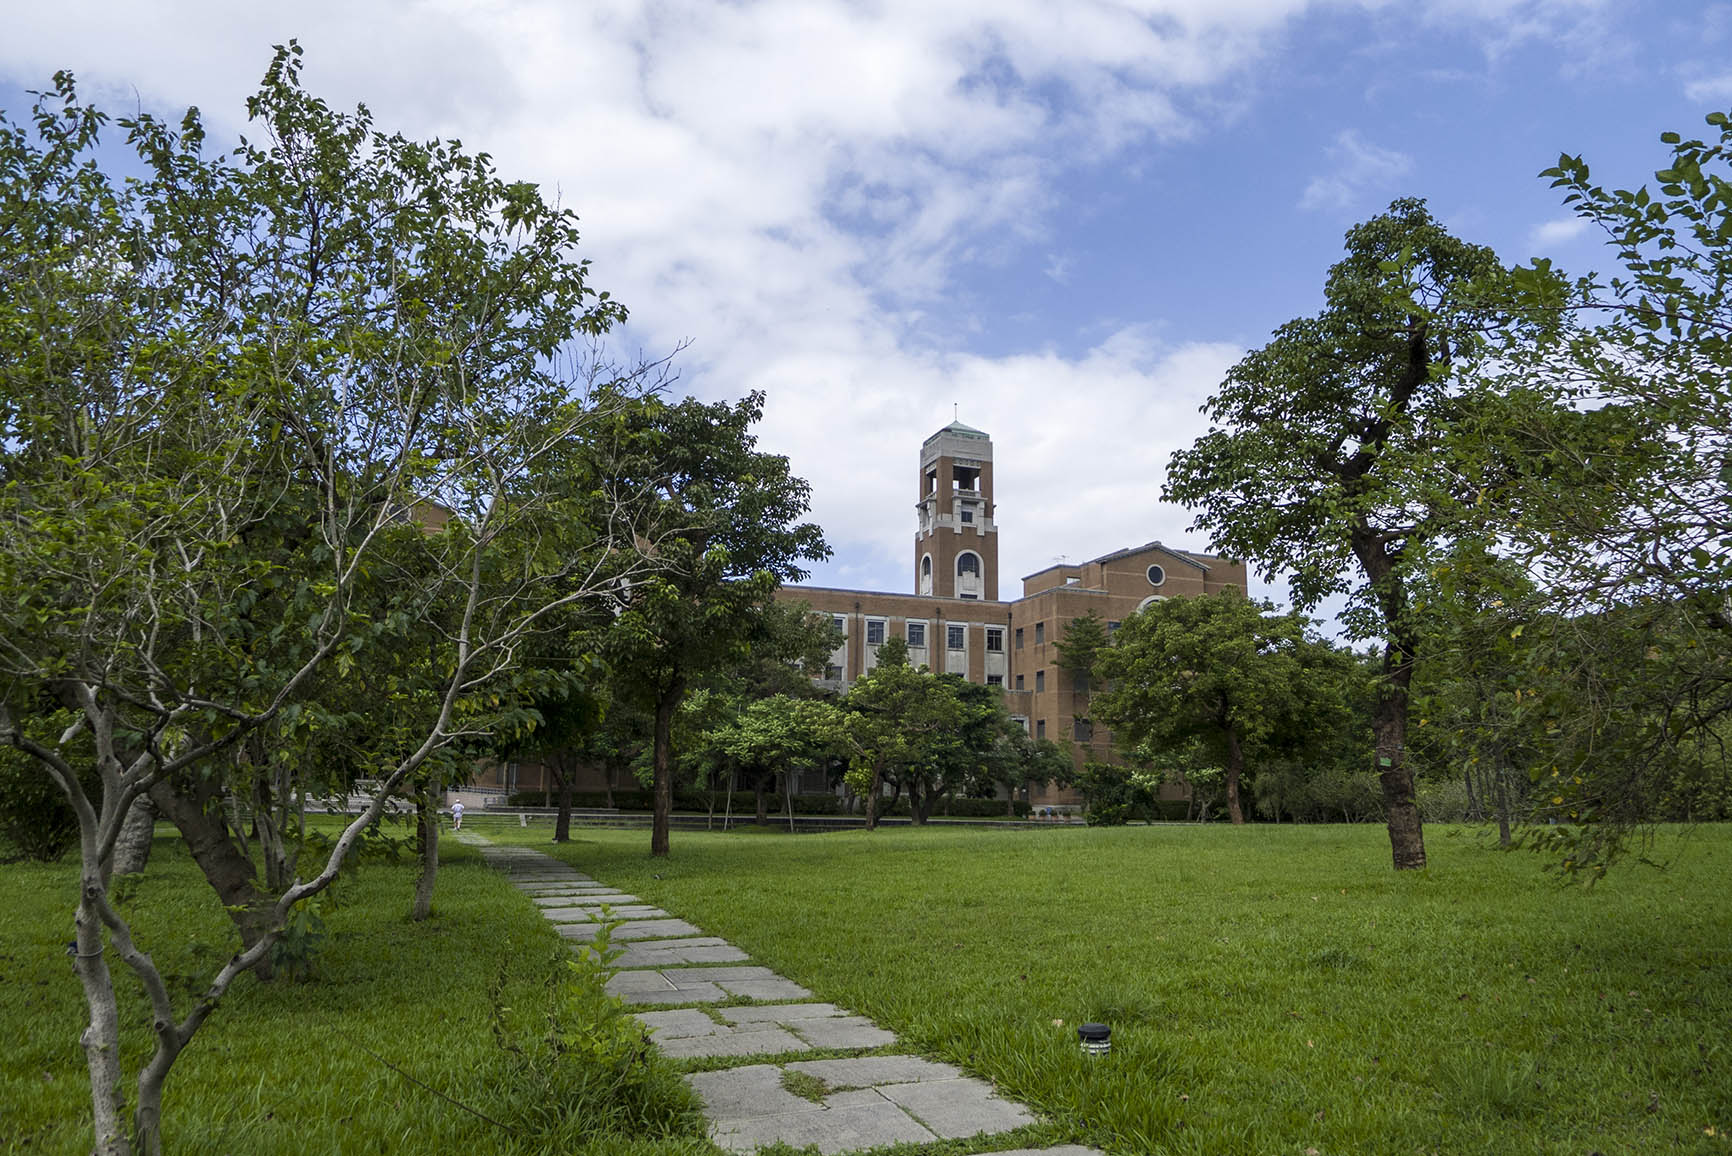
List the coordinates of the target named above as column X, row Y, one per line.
column 955, row 621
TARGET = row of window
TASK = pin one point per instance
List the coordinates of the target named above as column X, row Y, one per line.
column 1084, row 730
column 1040, row 633
column 955, row 638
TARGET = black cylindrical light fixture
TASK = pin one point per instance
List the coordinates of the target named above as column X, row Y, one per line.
column 1096, row 1039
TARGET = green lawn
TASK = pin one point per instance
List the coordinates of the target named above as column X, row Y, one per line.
column 285, row 1067
column 1271, row 989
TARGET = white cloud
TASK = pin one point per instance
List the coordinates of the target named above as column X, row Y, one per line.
column 1356, row 168
column 795, row 185
column 1710, row 89
column 1557, row 232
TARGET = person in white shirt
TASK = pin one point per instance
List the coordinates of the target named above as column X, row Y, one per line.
column 457, row 816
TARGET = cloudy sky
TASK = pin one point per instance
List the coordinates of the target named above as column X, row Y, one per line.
column 1064, row 219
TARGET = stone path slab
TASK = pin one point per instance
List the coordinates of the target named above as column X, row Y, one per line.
column 903, row 1099
column 761, row 1031
column 673, row 952
column 579, row 899
column 596, row 915
column 634, row 929
column 702, row 984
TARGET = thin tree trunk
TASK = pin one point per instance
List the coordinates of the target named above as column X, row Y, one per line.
column 763, row 801
column 1235, row 769
column 607, row 778
column 872, row 795
column 428, row 816
column 788, row 784
column 101, row 1038
column 132, row 849
column 562, row 821
column 1503, row 836
column 664, row 776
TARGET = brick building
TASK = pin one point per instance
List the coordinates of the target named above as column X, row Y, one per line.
column 955, row 622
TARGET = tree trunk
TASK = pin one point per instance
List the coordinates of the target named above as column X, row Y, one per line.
column 1235, row 770
column 664, row 774
column 562, row 821
column 228, row 872
column 1389, row 729
column 788, row 787
column 101, row 1038
column 607, row 778
column 428, row 817
column 763, row 801
column 1502, row 806
column 132, row 849
column 872, row 797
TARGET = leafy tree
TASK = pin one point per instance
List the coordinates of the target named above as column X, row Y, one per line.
column 1328, row 453
column 1218, row 667
column 234, row 396
column 725, row 537
column 773, row 736
column 1628, row 527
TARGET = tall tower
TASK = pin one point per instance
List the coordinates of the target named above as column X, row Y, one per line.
column 956, row 546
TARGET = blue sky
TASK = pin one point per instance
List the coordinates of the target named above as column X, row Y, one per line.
column 1066, row 219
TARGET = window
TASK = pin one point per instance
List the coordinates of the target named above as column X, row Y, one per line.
column 1112, row 629
column 841, row 625
column 917, row 634
column 1156, row 575
column 833, row 673
column 1039, row 633
column 995, row 680
column 1085, row 730
column 968, row 563
column 1040, row 728
column 969, row 596
column 1019, row 682
column 1019, row 638
column 954, row 637
column 874, row 632
column 926, row 566
column 1039, row 681
column 968, row 513
column 995, row 639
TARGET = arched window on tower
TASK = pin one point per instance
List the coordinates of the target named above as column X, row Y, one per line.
column 926, row 574
column 968, row 575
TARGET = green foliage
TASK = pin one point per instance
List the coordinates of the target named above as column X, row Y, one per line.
column 35, row 820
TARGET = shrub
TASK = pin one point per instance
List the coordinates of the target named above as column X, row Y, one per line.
column 35, row 818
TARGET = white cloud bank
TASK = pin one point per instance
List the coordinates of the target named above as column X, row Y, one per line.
column 1357, row 169
column 794, row 185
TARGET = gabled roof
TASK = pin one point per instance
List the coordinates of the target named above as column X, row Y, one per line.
column 1147, row 546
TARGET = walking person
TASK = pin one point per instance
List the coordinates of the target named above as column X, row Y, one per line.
column 457, row 815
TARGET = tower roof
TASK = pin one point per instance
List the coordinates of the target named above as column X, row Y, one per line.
column 959, row 429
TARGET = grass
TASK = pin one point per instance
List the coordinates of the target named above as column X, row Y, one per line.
column 308, row 1067
column 1270, row 989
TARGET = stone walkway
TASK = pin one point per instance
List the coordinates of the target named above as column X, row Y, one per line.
column 840, row 1105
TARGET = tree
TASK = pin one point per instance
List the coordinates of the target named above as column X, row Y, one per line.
column 773, row 736
column 1327, row 455
column 1627, row 529
column 259, row 384
column 1218, row 667
column 725, row 539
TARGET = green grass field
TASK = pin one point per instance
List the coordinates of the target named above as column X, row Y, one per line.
column 300, row 1067
column 1271, row 990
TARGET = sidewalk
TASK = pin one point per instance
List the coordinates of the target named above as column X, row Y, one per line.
column 840, row 1105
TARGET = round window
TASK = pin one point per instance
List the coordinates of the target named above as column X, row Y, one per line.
column 1156, row 575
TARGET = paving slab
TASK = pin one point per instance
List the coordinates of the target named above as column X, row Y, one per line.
column 769, row 1040
column 781, row 1013
column 744, row 1093
column 595, row 914
column 956, row 1109
column 785, row 1028
column 870, row 1071
column 837, row 1130
column 699, row 993
column 637, row 929
column 673, row 952
column 580, row 899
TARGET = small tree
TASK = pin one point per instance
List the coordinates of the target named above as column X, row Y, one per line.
column 1218, row 667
